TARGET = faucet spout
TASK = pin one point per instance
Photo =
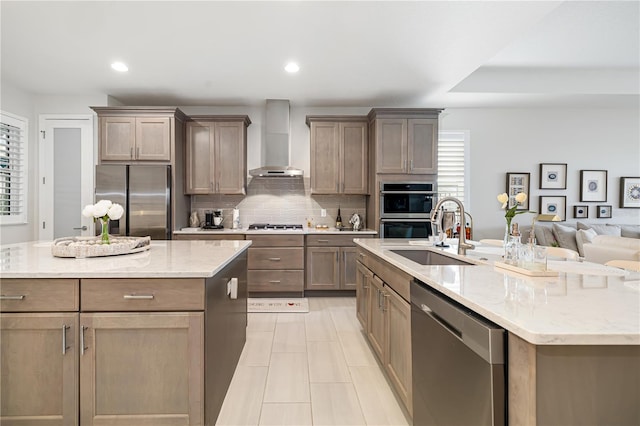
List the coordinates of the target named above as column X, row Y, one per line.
column 463, row 245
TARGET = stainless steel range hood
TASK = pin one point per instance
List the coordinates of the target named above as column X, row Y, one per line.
column 275, row 149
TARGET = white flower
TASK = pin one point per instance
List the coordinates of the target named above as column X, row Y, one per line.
column 521, row 197
column 88, row 210
column 504, row 199
column 101, row 208
column 115, row 211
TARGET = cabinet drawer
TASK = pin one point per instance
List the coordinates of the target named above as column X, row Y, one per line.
column 265, row 280
column 275, row 258
column 275, row 240
column 180, row 294
column 333, row 240
column 39, row 295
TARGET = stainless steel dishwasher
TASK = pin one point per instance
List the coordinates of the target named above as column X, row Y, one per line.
column 458, row 363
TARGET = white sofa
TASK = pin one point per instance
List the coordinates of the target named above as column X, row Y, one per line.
column 575, row 236
column 604, row 248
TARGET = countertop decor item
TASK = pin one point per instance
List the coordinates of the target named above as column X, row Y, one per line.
column 503, row 198
column 103, row 210
column 81, row 247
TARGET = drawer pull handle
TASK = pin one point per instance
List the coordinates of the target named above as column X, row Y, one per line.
column 275, row 281
column 274, row 259
column 138, row 296
column 362, row 255
column 323, row 241
column 64, row 339
column 17, row 297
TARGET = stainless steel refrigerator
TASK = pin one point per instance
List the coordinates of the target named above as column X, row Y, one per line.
column 144, row 192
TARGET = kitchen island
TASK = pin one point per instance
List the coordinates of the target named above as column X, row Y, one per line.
column 573, row 340
column 148, row 338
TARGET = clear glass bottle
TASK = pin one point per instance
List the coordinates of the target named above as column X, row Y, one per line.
column 512, row 248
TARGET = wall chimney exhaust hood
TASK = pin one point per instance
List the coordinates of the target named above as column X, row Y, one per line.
column 275, row 148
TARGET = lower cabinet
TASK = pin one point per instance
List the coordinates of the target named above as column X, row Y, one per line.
column 276, row 264
column 386, row 317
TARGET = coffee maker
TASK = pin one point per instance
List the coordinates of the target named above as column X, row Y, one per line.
column 213, row 219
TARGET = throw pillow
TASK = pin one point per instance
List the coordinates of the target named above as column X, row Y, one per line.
column 630, row 231
column 584, row 236
column 565, row 236
column 544, row 236
column 602, row 228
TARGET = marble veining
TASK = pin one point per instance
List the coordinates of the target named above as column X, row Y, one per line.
column 586, row 304
column 165, row 259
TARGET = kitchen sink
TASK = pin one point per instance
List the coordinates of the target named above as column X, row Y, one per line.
column 426, row 257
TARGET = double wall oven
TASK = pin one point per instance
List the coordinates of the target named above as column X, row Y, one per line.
column 405, row 208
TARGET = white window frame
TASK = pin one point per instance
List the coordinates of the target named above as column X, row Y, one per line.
column 464, row 136
column 23, row 124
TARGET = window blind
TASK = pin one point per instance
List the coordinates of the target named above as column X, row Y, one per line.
column 13, row 169
column 452, row 154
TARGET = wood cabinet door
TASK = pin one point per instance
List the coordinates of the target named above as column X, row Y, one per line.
column 325, row 151
column 142, row 368
column 117, row 138
column 153, row 139
column 348, row 268
column 397, row 358
column 199, row 171
column 354, row 158
column 376, row 326
column 230, row 158
column 391, row 141
column 363, row 288
column 39, row 369
column 422, row 145
column 323, row 268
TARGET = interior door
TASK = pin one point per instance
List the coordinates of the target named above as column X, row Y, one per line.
column 66, row 175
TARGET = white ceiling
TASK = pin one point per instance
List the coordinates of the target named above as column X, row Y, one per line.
column 384, row 53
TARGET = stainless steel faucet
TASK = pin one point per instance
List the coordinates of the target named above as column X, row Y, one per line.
column 462, row 239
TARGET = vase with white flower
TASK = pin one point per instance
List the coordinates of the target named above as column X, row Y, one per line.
column 510, row 213
column 103, row 210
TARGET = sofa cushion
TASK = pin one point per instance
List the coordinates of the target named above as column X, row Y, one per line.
column 621, row 242
column 544, row 236
column 584, row 236
column 565, row 236
column 604, row 248
column 601, row 228
column 630, row 231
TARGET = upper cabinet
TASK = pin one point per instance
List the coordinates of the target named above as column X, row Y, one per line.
column 216, row 157
column 405, row 140
column 339, row 154
column 137, row 134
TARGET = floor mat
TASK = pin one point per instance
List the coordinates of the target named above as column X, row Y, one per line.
column 257, row 304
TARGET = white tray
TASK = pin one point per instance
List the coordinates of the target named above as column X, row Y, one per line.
column 81, row 247
column 525, row 271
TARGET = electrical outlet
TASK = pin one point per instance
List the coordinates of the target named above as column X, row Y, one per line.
column 323, row 212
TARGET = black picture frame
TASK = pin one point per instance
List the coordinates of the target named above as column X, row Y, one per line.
column 581, row 211
column 593, row 185
column 603, row 211
column 553, row 175
column 630, row 192
column 555, row 204
column 518, row 182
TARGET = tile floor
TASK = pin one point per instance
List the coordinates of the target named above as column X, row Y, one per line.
column 312, row 368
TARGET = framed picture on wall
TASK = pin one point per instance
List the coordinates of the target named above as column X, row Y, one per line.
column 518, row 182
column 593, row 185
column 553, row 176
column 581, row 212
column 630, row 192
column 555, row 205
column 604, row 212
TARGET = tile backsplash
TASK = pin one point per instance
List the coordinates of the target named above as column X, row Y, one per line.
column 281, row 200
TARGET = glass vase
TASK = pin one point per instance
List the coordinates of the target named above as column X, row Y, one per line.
column 104, row 235
column 512, row 249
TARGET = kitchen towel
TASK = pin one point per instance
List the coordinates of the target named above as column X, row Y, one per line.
column 257, row 304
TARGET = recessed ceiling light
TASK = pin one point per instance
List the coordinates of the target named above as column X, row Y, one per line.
column 292, row 67
column 120, row 66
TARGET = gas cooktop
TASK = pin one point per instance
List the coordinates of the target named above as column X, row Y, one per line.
column 274, row 227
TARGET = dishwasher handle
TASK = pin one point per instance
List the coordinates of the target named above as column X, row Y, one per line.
column 451, row 329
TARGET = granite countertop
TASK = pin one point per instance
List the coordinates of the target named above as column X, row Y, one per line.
column 586, row 304
column 165, row 259
column 303, row 231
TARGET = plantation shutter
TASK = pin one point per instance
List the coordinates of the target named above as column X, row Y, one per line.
column 452, row 164
column 12, row 169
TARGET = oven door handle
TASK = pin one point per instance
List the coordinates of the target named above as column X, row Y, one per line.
column 432, row 193
column 399, row 219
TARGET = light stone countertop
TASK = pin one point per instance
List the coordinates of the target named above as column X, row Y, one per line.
column 586, row 304
column 165, row 259
column 303, row 231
